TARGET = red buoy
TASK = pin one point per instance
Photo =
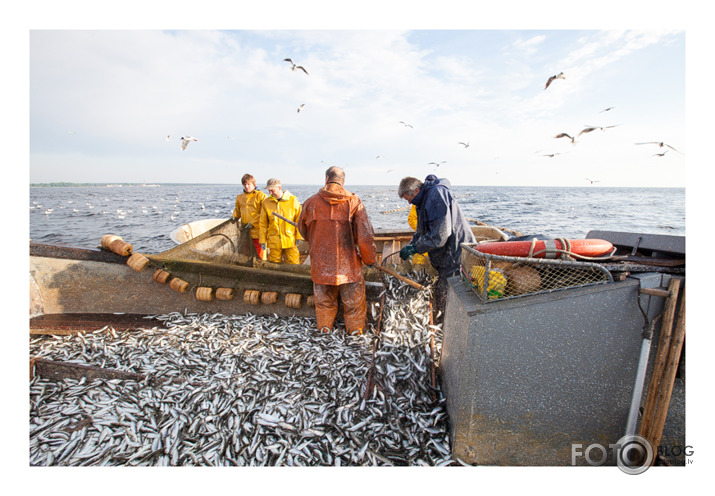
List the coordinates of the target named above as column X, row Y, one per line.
column 552, row 248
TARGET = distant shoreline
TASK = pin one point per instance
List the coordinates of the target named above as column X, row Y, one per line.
column 91, row 185
column 458, row 186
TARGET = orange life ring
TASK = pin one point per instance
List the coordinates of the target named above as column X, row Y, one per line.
column 547, row 249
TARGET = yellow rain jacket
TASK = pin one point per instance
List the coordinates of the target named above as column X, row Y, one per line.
column 412, row 221
column 276, row 233
column 248, row 210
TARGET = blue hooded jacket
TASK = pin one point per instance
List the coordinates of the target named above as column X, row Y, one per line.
column 441, row 226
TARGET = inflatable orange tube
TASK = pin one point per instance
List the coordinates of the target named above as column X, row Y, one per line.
column 547, row 249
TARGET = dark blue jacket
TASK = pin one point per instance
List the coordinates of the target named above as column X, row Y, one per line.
column 441, row 226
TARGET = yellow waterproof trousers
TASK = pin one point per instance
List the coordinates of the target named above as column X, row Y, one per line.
column 276, row 253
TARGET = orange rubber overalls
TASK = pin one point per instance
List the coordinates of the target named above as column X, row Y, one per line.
column 340, row 240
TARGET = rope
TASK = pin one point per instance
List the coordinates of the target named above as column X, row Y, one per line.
column 565, row 252
column 531, row 249
column 465, row 277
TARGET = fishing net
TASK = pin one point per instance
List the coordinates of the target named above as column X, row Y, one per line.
column 224, row 256
column 228, row 242
column 494, row 277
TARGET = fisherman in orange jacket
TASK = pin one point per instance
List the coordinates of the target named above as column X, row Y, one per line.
column 340, row 239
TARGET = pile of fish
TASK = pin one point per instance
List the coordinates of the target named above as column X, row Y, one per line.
column 248, row 390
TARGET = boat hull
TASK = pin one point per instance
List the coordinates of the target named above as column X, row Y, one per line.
column 87, row 285
column 77, row 281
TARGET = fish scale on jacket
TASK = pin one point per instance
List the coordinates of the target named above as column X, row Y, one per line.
column 341, row 238
column 330, row 262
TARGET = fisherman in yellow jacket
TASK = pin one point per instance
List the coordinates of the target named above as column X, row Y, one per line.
column 276, row 234
column 248, row 210
column 412, row 221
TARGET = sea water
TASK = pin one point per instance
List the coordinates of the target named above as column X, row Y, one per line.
column 145, row 215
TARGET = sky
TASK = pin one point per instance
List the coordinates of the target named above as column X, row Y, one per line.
column 110, row 105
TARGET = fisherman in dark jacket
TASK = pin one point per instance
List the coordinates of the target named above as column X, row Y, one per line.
column 441, row 228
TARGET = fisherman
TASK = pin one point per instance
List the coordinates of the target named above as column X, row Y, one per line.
column 340, row 239
column 275, row 233
column 248, row 210
column 441, row 228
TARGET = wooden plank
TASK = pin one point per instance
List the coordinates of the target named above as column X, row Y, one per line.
column 632, row 267
column 663, row 293
column 392, row 238
column 666, row 330
column 666, row 390
column 660, row 262
column 73, row 323
column 402, row 278
column 72, row 253
column 57, row 371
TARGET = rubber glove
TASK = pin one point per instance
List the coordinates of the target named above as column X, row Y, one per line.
column 233, row 219
column 263, row 247
column 407, row 252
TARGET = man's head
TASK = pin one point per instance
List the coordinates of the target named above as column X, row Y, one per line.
column 408, row 188
column 274, row 188
column 335, row 175
column 248, row 182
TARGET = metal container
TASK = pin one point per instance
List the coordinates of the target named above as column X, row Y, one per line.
column 526, row 379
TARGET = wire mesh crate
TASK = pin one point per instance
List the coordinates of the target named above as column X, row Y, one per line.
column 495, row 277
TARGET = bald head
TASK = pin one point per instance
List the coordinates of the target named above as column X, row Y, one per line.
column 336, row 175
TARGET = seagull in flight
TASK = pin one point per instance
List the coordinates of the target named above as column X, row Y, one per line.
column 465, row 145
column 606, row 109
column 551, row 155
column 294, row 67
column 405, row 124
column 435, row 163
column 560, row 75
column 588, row 129
column 566, row 135
column 300, row 107
column 592, row 180
column 659, row 154
column 185, row 141
column 659, row 143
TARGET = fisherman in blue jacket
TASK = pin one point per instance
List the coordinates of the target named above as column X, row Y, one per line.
column 441, row 228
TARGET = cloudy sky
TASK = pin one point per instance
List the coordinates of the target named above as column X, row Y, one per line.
column 103, row 102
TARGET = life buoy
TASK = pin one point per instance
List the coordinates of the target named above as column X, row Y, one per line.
column 552, row 248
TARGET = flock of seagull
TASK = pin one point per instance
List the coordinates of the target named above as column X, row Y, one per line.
column 588, row 129
column 185, row 140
